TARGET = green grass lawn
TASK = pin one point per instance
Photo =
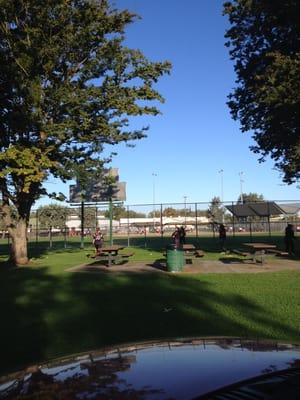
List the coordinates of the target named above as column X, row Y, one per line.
column 48, row 312
column 151, row 247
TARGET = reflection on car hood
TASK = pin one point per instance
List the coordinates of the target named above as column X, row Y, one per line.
column 177, row 369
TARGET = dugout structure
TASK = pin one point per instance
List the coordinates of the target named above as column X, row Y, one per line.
column 255, row 211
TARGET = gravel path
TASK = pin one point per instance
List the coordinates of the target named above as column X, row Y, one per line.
column 230, row 265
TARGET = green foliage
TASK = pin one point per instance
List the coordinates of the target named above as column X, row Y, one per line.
column 155, row 214
column 215, row 210
column 170, row 212
column 53, row 215
column 90, row 214
column 120, row 211
column 135, row 214
column 250, row 197
column 264, row 43
column 68, row 88
column 173, row 212
column 176, row 212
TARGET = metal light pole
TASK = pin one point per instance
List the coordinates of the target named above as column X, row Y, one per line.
column 154, row 175
column 82, row 194
column 241, row 185
column 185, row 197
column 221, row 171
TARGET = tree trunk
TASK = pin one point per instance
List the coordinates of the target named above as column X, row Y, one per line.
column 18, row 250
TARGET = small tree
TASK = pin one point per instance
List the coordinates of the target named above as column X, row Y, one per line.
column 90, row 216
column 250, row 197
column 53, row 215
column 170, row 212
column 215, row 210
column 120, row 211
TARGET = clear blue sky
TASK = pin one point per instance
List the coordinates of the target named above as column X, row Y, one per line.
column 195, row 136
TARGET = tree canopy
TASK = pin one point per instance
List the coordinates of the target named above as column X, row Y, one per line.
column 215, row 211
column 119, row 211
column 68, row 88
column 264, row 42
column 53, row 215
column 250, row 197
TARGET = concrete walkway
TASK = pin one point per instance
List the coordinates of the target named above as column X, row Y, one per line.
column 230, row 265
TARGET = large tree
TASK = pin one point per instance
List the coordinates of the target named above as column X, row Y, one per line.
column 68, row 87
column 264, row 42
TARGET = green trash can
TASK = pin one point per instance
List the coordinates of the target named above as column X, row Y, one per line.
column 175, row 259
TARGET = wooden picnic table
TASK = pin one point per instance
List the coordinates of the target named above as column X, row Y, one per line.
column 188, row 247
column 259, row 249
column 112, row 252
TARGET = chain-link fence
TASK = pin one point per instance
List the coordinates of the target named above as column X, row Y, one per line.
column 73, row 226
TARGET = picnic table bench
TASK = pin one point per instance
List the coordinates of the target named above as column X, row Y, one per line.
column 278, row 252
column 240, row 252
column 126, row 255
column 113, row 254
column 199, row 253
column 259, row 250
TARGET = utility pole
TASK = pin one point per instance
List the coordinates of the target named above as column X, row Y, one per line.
column 153, row 191
column 221, row 171
column 185, row 197
column 241, row 185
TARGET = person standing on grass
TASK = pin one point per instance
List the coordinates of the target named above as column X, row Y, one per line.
column 176, row 237
column 289, row 239
column 182, row 235
column 222, row 236
column 97, row 240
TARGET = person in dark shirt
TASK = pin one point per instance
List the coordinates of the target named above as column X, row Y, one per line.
column 97, row 240
column 182, row 235
column 176, row 237
column 289, row 239
column 222, row 236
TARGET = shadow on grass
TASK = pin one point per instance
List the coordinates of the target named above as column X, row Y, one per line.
column 45, row 316
column 232, row 260
column 159, row 263
column 36, row 250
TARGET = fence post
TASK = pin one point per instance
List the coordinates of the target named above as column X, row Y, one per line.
column 82, row 226
column 161, row 222
column 110, row 221
column 233, row 220
column 269, row 219
column 128, row 232
column 196, row 215
column 50, row 236
column 36, row 227
column 65, row 232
